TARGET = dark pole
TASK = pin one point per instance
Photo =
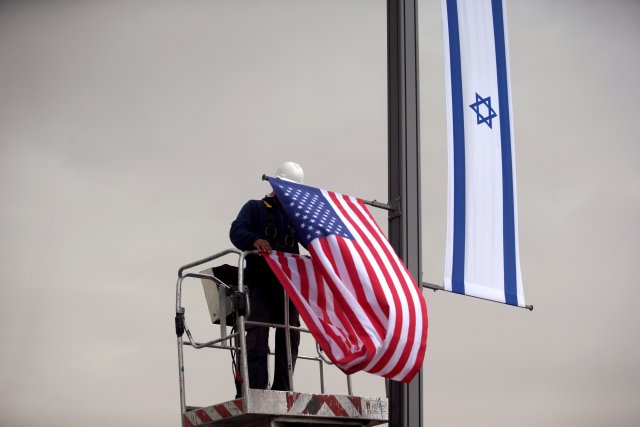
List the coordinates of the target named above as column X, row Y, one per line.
column 404, row 175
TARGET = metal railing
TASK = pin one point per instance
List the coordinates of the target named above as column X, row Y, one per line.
column 235, row 341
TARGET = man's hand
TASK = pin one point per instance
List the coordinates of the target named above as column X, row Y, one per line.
column 262, row 245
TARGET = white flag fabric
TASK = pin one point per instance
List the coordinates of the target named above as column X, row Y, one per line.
column 482, row 256
column 354, row 293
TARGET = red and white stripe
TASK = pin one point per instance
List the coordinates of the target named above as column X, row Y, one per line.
column 357, row 297
column 267, row 404
column 210, row 414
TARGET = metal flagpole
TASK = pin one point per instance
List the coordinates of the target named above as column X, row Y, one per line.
column 404, row 175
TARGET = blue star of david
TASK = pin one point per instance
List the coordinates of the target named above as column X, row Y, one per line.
column 479, row 116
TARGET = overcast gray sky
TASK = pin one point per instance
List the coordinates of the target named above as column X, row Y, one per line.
column 131, row 132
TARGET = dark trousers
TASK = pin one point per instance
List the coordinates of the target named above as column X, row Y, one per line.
column 266, row 299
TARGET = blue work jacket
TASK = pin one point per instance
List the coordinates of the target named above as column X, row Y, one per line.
column 262, row 219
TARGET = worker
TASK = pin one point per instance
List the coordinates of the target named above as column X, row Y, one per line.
column 264, row 225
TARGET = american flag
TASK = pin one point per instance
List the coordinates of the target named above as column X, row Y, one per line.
column 354, row 293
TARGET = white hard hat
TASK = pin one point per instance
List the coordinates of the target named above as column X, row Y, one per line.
column 290, row 171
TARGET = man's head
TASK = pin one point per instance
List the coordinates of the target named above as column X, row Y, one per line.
column 290, row 171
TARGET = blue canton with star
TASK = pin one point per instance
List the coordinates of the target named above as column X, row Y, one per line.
column 310, row 213
column 476, row 106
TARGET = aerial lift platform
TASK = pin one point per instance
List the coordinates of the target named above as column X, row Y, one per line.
column 228, row 304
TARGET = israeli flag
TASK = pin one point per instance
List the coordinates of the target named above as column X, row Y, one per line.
column 482, row 256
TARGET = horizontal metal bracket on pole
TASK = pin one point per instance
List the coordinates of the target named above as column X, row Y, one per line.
column 432, row 286
column 441, row 288
column 377, row 204
column 395, row 208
